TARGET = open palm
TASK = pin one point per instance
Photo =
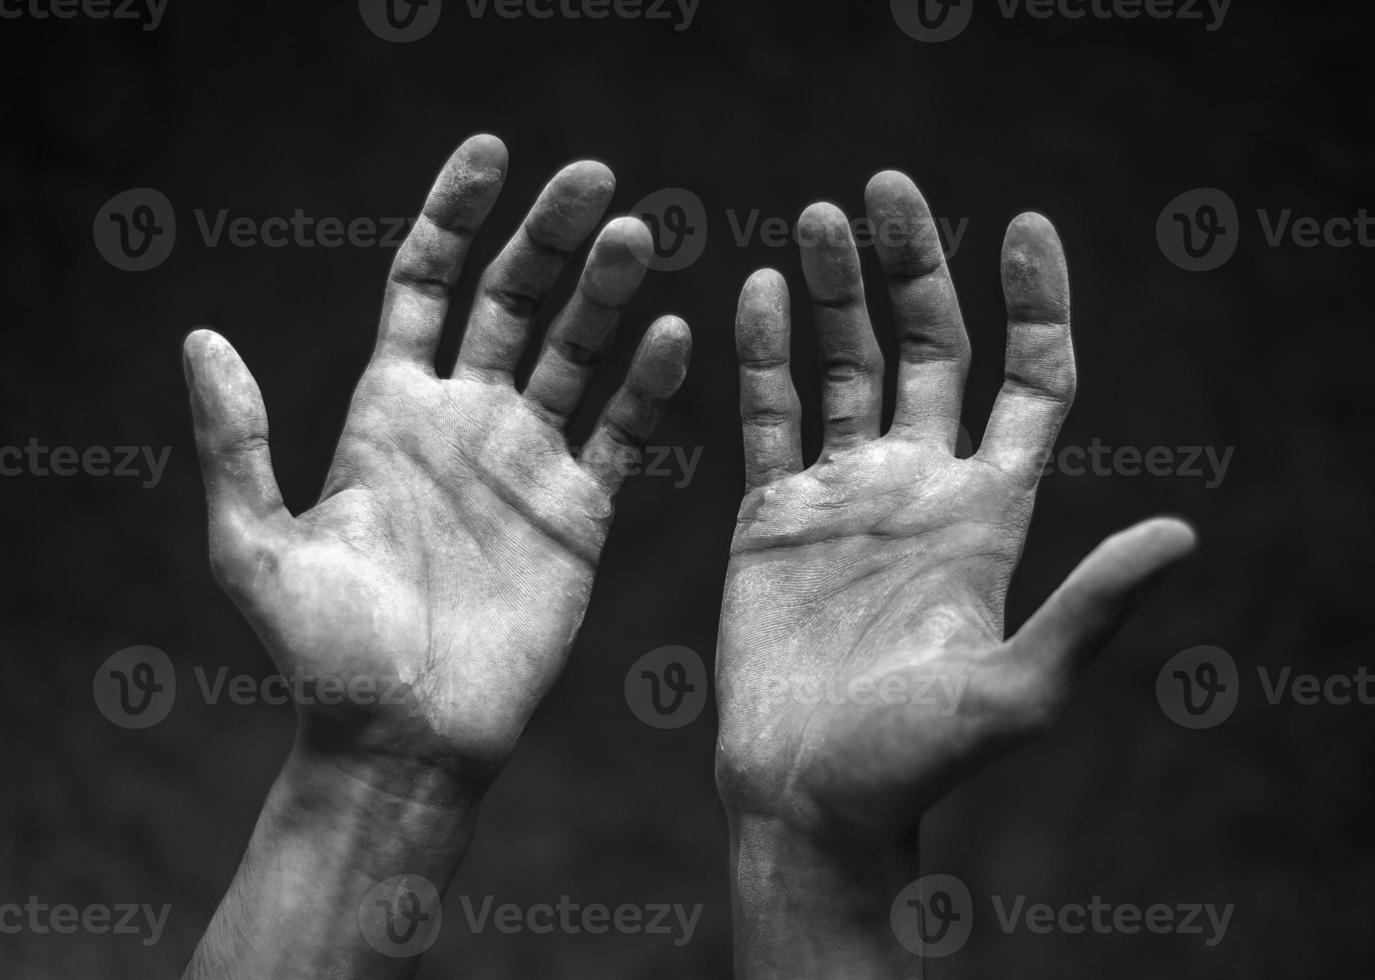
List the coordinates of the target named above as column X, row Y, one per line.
column 862, row 666
column 443, row 575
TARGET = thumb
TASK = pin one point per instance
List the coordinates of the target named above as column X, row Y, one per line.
column 231, row 433
column 1084, row 613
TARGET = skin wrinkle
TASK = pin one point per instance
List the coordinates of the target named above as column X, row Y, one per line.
column 584, row 551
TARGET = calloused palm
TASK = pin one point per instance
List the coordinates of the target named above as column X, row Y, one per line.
column 862, row 666
column 446, row 568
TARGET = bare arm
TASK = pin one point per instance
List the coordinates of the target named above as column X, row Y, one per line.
column 439, row 581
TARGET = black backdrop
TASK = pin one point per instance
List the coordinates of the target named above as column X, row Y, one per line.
column 263, row 108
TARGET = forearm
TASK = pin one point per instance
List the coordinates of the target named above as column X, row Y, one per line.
column 807, row 911
column 331, row 830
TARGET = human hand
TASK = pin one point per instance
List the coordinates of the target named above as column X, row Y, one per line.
column 862, row 666
column 452, row 551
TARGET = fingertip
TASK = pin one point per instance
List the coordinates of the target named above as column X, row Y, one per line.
column 662, row 360
column 764, row 287
column 673, row 334
column 484, row 152
column 627, row 231
column 820, row 216
column 201, row 347
column 627, row 238
column 591, row 180
column 1172, row 538
column 1031, row 223
column 830, row 258
column 1032, row 239
column 1143, row 552
column 888, row 185
column 474, row 174
column 571, row 205
column 468, row 186
column 1035, row 273
column 201, row 338
column 762, row 320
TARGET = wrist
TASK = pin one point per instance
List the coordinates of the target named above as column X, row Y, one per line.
column 812, row 907
column 346, row 868
column 394, row 761
column 381, row 815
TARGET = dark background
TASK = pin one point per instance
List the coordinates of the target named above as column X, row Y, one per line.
column 263, row 108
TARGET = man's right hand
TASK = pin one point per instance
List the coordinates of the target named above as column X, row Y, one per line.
column 452, row 552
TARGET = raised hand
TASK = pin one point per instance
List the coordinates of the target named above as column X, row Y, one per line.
column 454, row 545
column 862, row 665
column 440, row 580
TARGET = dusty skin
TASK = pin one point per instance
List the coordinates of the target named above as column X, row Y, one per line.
column 881, row 569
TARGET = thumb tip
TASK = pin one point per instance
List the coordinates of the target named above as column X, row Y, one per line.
column 200, row 345
column 1172, row 538
column 199, row 341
